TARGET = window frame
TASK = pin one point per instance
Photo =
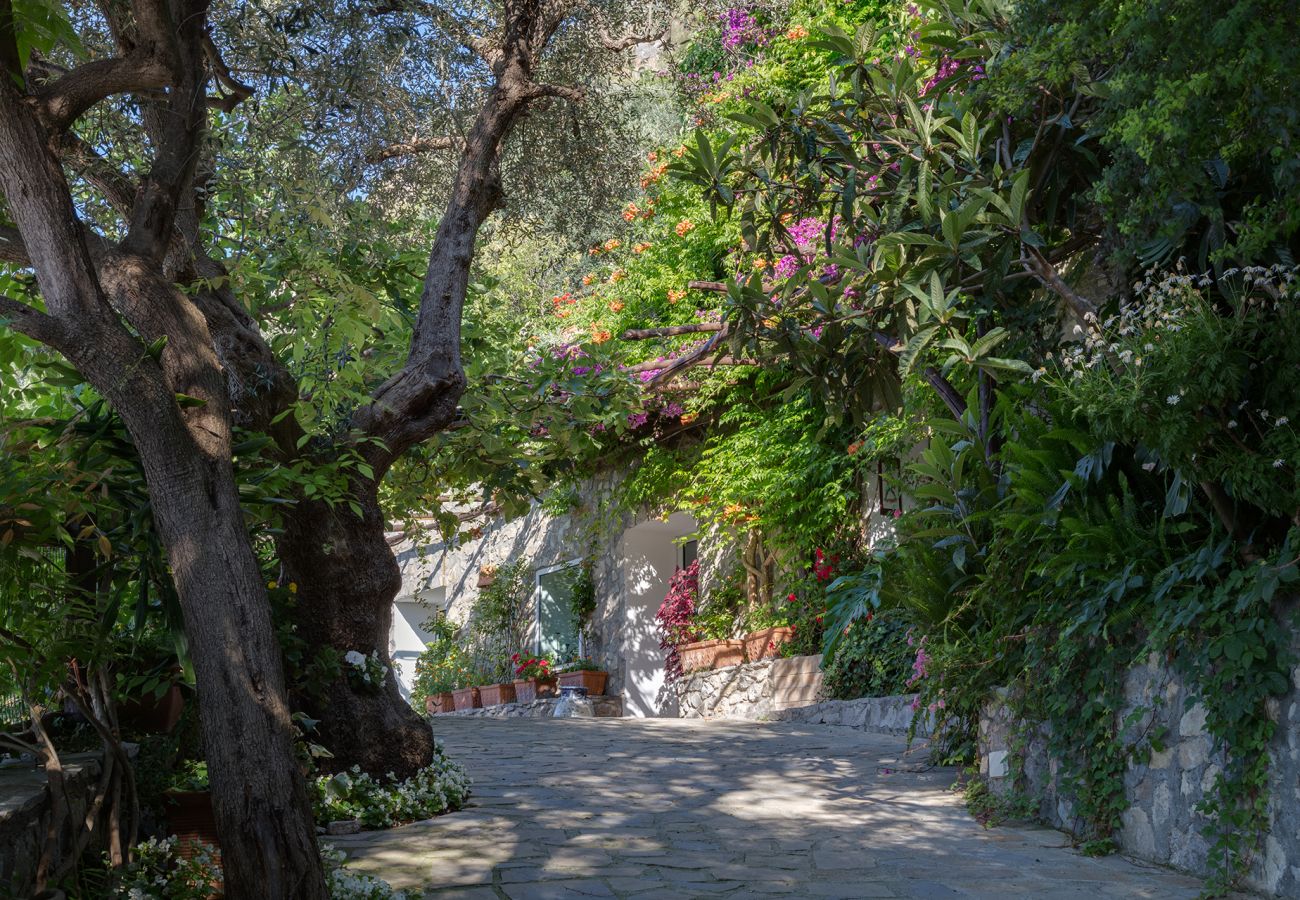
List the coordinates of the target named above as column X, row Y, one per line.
column 537, row 603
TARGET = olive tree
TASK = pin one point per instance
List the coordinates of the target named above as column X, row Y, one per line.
column 129, row 289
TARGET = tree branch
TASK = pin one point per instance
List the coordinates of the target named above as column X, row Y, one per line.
column 642, row 334
column 416, row 145
column 12, row 249
column 628, row 38
column 566, row 92
column 32, row 322
column 236, row 91
column 64, row 100
column 1038, row 265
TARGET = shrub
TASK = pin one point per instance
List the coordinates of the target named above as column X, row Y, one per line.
column 439, row 787
column 871, row 659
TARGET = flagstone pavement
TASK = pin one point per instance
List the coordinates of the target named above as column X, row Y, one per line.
column 680, row 808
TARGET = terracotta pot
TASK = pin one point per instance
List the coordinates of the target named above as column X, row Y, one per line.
column 496, row 694
column 590, row 679
column 766, row 644
column 486, row 577
column 439, row 703
column 189, row 817
column 525, row 691
column 467, row 698
column 711, row 654
column 153, row 714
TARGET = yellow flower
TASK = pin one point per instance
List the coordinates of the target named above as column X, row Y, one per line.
column 293, row 587
column 613, row 244
column 797, row 33
column 616, row 276
column 674, row 296
column 760, row 265
column 271, row 585
column 641, row 247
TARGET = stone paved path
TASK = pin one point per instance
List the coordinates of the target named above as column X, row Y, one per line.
column 683, row 808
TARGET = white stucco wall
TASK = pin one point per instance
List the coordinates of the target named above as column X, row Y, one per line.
column 649, row 555
column 634, row 558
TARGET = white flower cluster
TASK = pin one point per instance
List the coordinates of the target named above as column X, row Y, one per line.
column 1160, row 307
column 345, row 885
column 158, row 872
column 370, row 669
column 439, row 787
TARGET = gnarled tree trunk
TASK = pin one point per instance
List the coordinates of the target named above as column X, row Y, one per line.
column 347, row 577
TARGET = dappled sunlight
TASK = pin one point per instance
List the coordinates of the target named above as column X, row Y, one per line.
column 617, row 806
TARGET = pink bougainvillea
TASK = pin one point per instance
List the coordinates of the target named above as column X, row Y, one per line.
column 676, row 617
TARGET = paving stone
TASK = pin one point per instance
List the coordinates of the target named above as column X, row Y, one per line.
column 651, row 808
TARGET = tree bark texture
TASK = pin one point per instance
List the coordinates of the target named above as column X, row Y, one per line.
column 181, row 368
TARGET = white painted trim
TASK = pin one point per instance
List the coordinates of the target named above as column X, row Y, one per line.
column 537, row 603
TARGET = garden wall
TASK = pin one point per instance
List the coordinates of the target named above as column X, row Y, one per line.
column 752, row 690
column 25, row 812
column 789, row 690
column 1161, row 823
column 604, row 707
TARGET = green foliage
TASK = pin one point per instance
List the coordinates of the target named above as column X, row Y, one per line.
column 1196, row 110
column 1180, row 372
column 871, row 660
column 500, row 622
column 442, row 666
column 440, row 787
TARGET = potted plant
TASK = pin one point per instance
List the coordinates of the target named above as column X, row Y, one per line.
column 189, row 808
column 467, row 697
column 151, row 702
column 712, row 654
column 497, row 694
column 533, row 678
column 487, row 576
column 587, row 673
column 148, row 689
column 439, row 669
column 766, row 643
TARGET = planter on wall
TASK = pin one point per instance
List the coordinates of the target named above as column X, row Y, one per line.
column 525, row 691
column 702, row 655
column 766, row 644
column 496, row 694
column 487, row 576
column 590, row 679
column 151, row 714
column 441, row 702
column 189, row 817
column 467, row 698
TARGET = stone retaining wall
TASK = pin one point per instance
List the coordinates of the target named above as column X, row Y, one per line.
column 605, row 707
column 751, row 690
column 789, row 690
column 879, row 715
column 1161, row 823
column 25, row 812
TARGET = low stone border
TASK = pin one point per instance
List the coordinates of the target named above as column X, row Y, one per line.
column 25, row 812
column 605, row 707
column 879, row 715
column 790, row 690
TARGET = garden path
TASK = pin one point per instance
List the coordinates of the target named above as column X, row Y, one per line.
column 679, row 808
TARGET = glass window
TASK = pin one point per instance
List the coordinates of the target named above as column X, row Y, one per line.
column 690, row 552
column 557, row 632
